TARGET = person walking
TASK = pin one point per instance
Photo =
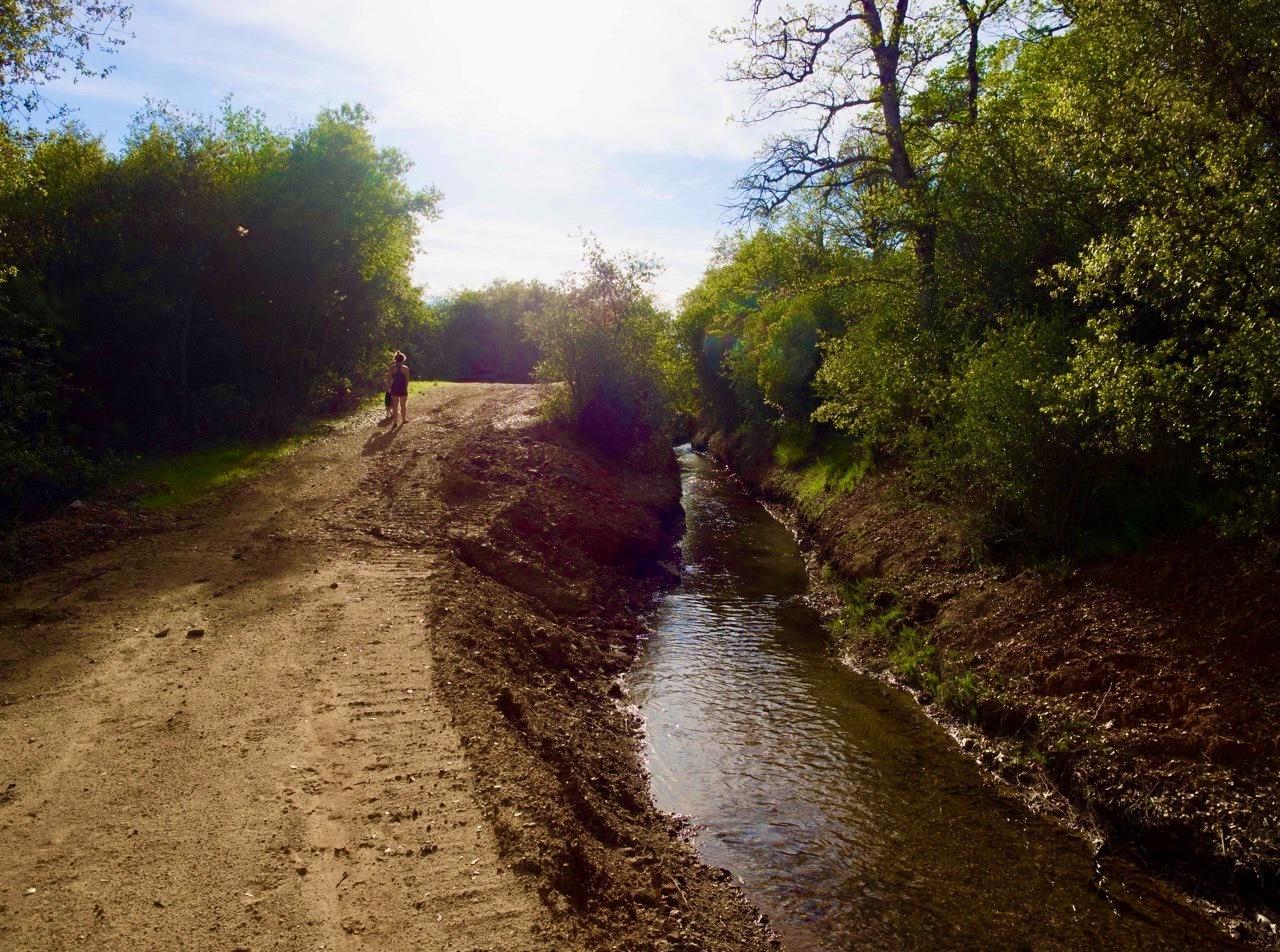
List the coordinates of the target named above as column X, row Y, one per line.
column 398, row 387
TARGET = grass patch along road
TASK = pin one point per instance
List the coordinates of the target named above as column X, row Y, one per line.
column 180, row 480
column 183, row 479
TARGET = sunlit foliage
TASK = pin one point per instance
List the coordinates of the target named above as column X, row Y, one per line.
column 42, row 40
column 1066, row 315
column 605, row 341
column 482, row 334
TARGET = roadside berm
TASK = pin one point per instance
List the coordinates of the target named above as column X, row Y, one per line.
column 369, row 700
column 1136, row 694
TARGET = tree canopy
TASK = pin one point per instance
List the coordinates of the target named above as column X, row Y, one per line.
column 42, row 40
column 214, row 275
column 1039, row 255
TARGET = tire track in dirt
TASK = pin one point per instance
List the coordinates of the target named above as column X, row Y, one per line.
column 288, row 778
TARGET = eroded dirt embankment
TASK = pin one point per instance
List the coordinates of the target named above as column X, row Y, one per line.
column 564, row 550
column 361, row 702
column 1145, row 687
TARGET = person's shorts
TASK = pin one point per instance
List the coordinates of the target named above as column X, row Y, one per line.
column 387, row 401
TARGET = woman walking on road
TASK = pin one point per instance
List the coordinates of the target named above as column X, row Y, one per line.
column 398, row 387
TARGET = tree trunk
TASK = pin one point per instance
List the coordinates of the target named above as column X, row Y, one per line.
column 971, row 63
column 925, row 246
column 925, row 232
column 886, row 53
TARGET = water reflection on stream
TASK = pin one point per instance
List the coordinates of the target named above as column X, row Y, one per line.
column 849, row 817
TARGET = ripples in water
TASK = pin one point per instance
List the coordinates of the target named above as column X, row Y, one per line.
column 846, row 814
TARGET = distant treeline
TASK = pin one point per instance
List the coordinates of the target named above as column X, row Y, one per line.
column 597, row 331
column 483, row 334
column 1032, row 253
column 214, row 277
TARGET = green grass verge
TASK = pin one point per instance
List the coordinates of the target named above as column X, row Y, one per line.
column 821, row 468
column 910, row 652
column 416, row 389
column 794, row 446
column 180, row 480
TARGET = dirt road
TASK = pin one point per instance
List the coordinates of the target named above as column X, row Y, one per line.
column 227, row 736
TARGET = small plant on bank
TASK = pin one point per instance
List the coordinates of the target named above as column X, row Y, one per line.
column 794, row 444
column 960, row 694
column 914, row 658
column 824, row 465
column 835, row 468
column 867, row 622
column 861, row 620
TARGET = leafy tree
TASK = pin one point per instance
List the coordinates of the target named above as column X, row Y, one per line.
column 41, row 40
column 1182, row 354
column 845, row 73
column 750, row 331
column 481, row 334
column 1049, row 258
column 216, row 275
column 607, row 343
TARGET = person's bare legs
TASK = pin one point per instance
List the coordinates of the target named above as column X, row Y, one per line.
column 398, row 408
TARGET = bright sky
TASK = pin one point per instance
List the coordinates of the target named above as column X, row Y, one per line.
column 537, row 120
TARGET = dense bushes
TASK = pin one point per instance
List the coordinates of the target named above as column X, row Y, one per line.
column 41, row 455
column 215, row 275
column 603, row 338
column 749, row 333
column 1062, row 310
column 596, row 332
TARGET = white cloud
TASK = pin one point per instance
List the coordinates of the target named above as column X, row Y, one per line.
column 537, row 120
column 621, row 75
column 476, row 250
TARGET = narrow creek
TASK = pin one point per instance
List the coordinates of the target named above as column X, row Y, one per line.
column 848, row 817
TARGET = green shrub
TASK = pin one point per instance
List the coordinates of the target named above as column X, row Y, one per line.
column 1025, row 470
column 40, row 463
column 1181, row 353
column 612, row 349
column 482, row 334
column 330, row 392
column 914, row 658
column 1036, row 478
column 750, row 332
column 884, row 380
column 960, row 694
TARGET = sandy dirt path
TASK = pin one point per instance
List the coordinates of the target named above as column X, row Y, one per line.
column 286, row 779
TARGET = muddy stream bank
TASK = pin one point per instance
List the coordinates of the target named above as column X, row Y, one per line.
column 846, row 815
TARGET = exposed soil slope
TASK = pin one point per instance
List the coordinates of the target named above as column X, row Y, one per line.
column 258, row 726
column 1148, row 684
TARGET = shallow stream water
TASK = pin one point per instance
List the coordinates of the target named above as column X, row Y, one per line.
column 851, row 819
